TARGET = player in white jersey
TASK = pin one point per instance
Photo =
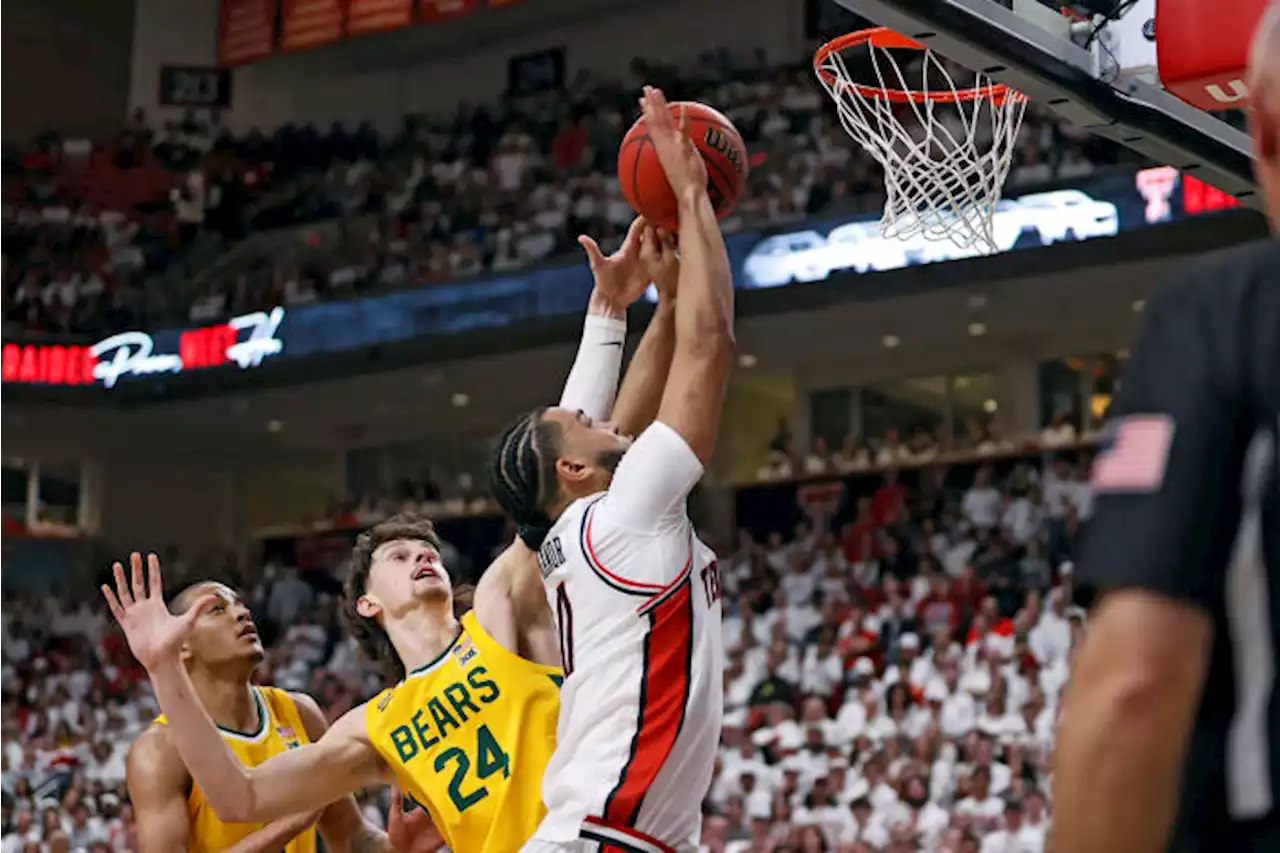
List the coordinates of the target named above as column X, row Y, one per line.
column 635, row 592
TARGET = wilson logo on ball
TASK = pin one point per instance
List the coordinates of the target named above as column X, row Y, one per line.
column 644, row 183
column 717, row 141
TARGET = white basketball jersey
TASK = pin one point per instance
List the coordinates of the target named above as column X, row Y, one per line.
column 637, row 601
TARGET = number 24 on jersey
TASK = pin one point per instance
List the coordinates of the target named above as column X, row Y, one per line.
column 489, row 759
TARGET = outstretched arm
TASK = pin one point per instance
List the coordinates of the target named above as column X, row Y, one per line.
column 620, row 280
column 694, row 396
column 653, row 481
column 646, row 377
column 512, row 607
column 646, row 256
column 593, row 379
column 299, row 780
column 309, row 777
column 341, row 824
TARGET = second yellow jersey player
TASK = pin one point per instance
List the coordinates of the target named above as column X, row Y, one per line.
column 456, row 731
column 467, row 731
column 280, row 728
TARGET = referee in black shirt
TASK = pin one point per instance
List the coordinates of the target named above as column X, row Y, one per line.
column 1169, row 738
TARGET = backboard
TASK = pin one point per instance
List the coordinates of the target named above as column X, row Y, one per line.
column 1099, row 72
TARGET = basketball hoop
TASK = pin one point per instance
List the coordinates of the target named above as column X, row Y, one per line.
column 945, row 149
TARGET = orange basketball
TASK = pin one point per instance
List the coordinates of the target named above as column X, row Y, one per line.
column 645, row 184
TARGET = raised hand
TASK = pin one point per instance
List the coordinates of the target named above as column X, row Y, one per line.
column 621, row 277
column 683, row 164
column 155, row 635
column 411, row 831
column 660, row 262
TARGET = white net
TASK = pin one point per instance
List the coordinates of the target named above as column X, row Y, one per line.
column 945, row 148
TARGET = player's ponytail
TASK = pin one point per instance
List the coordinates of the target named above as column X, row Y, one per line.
column 522, row 474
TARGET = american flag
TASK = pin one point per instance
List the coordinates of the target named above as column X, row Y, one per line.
column 1134, row 455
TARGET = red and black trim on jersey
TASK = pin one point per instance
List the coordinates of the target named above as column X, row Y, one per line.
column 611, row 579
column 564, row 619
column 685, row 574
column 664, row 699
column 620, row 839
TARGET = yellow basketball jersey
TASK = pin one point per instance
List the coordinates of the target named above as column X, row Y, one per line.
column 469, row 735
column 279, row 728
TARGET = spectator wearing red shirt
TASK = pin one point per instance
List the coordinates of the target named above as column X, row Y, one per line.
column 858, row 539
column 989, row 621
column 887, row 502
column 968, row 590
column 567, row 147
column 857, row 640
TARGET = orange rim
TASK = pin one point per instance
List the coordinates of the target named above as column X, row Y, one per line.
column 883, row 37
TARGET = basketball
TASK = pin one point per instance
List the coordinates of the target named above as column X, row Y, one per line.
column 644, row 184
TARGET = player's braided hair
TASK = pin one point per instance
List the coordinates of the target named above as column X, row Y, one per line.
column 372, row 638
column 522, row 473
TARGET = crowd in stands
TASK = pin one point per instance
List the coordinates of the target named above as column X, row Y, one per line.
column 98, row 238
column 976, row 438
column 895, row 664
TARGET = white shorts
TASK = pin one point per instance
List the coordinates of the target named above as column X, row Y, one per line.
column 578, row 845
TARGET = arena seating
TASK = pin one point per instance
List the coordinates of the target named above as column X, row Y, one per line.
column 896, row 657
column 492, row 188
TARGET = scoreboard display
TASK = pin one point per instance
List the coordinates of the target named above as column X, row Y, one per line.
column 195, row 86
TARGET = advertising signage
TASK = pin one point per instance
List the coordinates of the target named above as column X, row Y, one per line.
column 244, row 341
column 372, row 16
column 246, row 30
column 306, row 24
column 1103, row 206
column 250, row 30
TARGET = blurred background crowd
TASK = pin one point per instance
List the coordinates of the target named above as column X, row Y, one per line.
column 895, row 663
column 189, row 223
column 902, row 479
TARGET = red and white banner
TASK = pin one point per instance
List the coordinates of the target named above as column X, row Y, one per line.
column 246, row 30
column 133, row 354
column 439, row 10
column 375, row 16
column 310, row 23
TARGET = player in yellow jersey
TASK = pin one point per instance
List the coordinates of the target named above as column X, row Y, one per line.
column 469, row 725
column 467, row 732
column 221, row 653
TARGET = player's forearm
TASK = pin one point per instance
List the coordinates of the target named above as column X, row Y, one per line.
column 368, row 840
column 704, row 311
column 1113, row 789
column 214, row 767
column 1120, row 746
column 593, row 379
column 345, row 830
column 274, row 836
column 641, row 390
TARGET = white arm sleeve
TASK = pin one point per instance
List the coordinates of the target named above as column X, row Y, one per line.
column 651, row 486
column 593, row 381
